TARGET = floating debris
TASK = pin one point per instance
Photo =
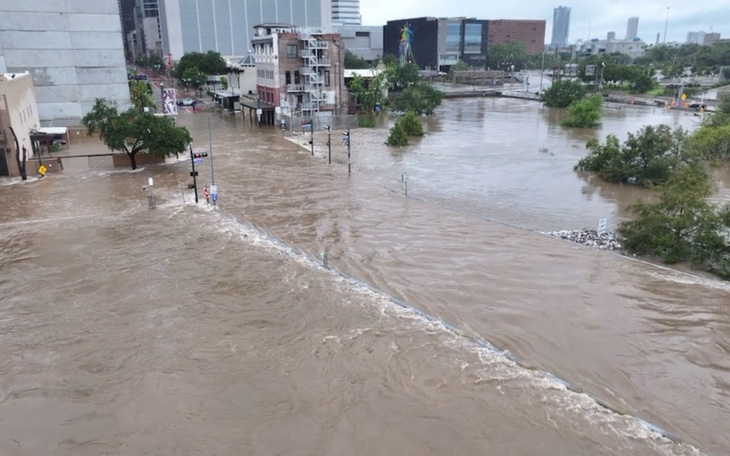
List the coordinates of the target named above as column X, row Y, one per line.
column 590, row 238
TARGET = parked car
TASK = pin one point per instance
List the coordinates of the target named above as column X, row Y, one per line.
column 186, row 102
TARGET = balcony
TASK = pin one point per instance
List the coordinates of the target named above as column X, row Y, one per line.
column 315, row 44
column 296, row 87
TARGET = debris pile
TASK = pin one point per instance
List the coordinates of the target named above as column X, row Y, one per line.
column 590, row 238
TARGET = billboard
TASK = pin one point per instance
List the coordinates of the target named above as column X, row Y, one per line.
column 169, row 102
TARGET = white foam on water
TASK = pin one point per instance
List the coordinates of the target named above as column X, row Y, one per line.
column 497, row 365
column 7, row 181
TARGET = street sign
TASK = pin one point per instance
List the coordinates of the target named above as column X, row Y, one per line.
column 197, row 161
column 684, row 96
column 150, row 181
column 214, row 197
column 42, row 170
column 602, row 225
column 205, row 192
column 213, row 190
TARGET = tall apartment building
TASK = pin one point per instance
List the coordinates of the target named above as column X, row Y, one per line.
column 227, row 26
column 632, row 28
column 72, row 48
column 300, row 71
column 561, row 26
column 346, row 12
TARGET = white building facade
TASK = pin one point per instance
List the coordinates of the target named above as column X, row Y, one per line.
column 73, row 50
column 633, row 48
column 364, row 41
column 18, row 115
column 227, row 26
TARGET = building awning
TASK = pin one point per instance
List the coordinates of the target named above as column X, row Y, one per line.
column 53, row 130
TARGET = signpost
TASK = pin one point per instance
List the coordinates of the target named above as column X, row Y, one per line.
column 602, row 225
column 346, row 138
column 309, row 123
column 214, row 193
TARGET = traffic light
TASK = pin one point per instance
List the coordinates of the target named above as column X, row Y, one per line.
column 200, row 154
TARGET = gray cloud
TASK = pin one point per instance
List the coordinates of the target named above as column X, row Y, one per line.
column 592, row 16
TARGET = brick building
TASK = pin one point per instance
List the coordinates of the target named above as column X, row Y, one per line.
column 300, row 72
column 529, row 32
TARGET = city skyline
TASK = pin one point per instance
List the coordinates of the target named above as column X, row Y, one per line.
column 588, row 19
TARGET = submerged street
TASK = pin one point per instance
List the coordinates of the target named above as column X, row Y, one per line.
column 188, row 330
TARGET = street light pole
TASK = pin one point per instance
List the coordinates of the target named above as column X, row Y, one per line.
column 666, row 24
column 542, row 68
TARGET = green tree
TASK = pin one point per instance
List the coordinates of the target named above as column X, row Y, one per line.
column 645, row 159
column 458, row 66
column 398, row 135
column 643, row 84
column 504, row 56
column 210, row 63
column 369, row 94
column 682, row 225
column 194, row 77
column 353, row 62
column 140, row 93
column 407, row 75
column 389, row 59
column 420, row 98
column 224, row 83
column 562, row 93
column 133, row 131
column 412, row 124
column 584, row 113
column 712, row 142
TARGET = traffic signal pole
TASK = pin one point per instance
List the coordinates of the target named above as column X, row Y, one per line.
column 193, row 173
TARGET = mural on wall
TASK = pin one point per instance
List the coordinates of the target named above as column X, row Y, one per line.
column 406, row 41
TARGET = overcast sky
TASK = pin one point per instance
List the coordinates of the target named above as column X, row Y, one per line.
column 587, row 17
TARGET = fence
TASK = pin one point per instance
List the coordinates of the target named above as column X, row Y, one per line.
column 337, row 122
column 72, row 163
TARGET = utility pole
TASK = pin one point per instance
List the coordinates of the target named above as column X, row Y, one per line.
column 346, row 138
column 194, row 174
column 666, row 24
column 311, row 129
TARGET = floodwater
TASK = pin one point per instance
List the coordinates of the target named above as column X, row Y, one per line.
column 187, row 330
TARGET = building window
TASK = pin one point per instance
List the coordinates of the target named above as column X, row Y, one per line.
column 300, row 99
column 291, row 51
column 327, row 78
column 296, row 78
column 362, row 34
column 453, row 37
column 287, row 75
column 472, row 38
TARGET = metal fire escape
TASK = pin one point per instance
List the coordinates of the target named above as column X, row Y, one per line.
column 313, row 51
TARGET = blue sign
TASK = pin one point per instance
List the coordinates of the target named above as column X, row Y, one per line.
column 214, row 196
column 197, row 161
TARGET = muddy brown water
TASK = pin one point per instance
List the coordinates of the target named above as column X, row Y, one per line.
column 187, row 330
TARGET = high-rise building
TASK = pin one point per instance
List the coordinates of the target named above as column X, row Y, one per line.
column 561, row 26
column 74, row 58
column 346, row 12
column 632, row 28
column 227, row 26
column 610, row 36
column 711, row 38
column 696, row 37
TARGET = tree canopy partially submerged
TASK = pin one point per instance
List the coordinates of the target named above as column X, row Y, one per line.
column 134, row 131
